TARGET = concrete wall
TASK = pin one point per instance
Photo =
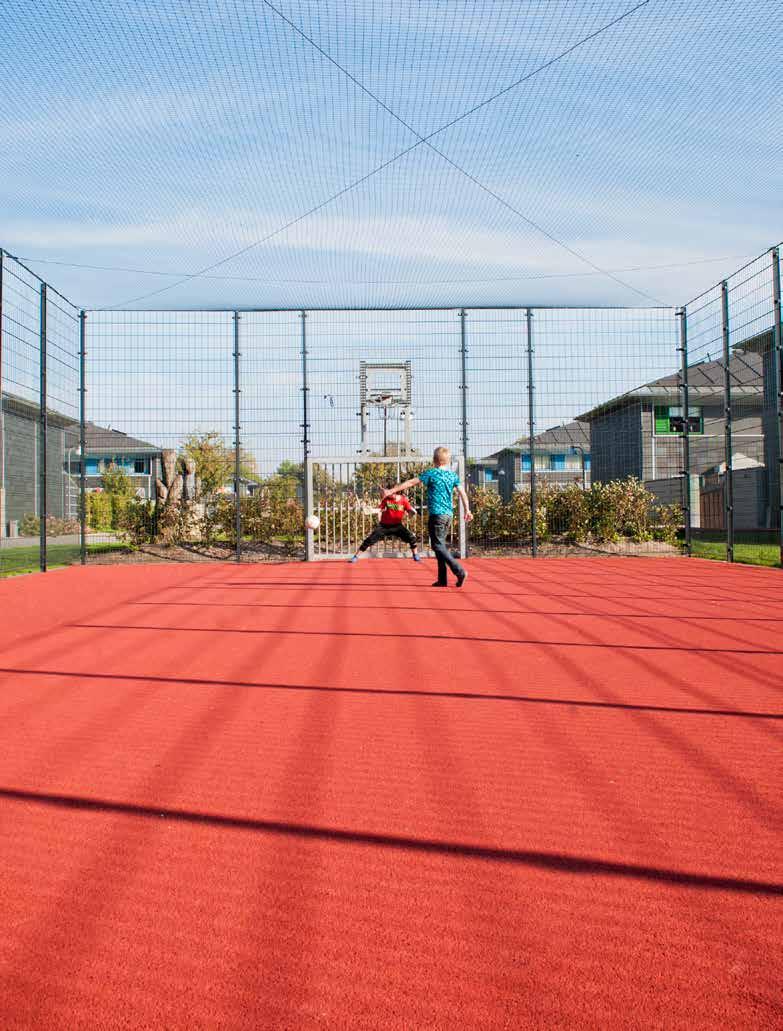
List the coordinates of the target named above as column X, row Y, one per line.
column 750, row 498
column 770, row 429
column 21, row 464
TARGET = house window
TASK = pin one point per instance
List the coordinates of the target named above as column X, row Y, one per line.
column 489, row 475
column 664, row 414
column 92, row 467
column 525, row 463
column 557, row 463
column 141, row 466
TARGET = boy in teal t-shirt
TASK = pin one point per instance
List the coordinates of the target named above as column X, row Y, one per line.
column 441, row 482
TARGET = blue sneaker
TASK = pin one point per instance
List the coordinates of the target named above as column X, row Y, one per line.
column 354, row 558
column 416, row 557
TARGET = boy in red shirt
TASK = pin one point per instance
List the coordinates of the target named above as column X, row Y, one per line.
column 394, row 508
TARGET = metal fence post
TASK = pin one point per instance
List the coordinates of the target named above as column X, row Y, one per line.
column 728, row 486
column 237, row 444
column 531, row 419
column 464, row 390
column 686, row 431
column 777, row 376
column 43, row 508
column 2, row 418
column 306, row 473
column 83, row 437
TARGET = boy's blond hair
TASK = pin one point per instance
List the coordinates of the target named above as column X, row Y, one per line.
column 441, row 456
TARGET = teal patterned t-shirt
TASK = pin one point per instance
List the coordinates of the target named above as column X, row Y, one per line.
column 440, row 483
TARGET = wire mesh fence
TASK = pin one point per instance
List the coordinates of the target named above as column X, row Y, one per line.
column 342, row 389
column 734, row 432
column 40, row 367
column 131, row 435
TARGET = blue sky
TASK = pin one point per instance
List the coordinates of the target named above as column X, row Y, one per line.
column 164, row 137
column 159, row 138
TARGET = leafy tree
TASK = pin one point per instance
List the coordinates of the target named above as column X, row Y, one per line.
column 215, row 462
column 117, row 482
column 288, row 470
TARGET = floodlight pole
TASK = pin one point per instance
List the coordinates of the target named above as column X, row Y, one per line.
column 237, row 465
column 728, row 486
column 83, row 437
column 682, row 315
column 777, row 380
column 531, row 421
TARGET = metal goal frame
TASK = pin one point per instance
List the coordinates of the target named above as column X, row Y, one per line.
column 326, row 543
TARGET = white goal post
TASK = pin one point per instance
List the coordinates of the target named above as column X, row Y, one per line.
column 344, row 493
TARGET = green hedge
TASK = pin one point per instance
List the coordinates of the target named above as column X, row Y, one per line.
column 606, row 512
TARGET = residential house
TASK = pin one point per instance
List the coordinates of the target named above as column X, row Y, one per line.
column 105, row 446
column 640, row 434
column 560, row 455
column 637, row 434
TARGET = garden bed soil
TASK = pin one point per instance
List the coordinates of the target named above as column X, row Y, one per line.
column 560, row 549
column 217, row 552
column 276, row 551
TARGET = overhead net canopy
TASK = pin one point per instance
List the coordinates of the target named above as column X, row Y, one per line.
column 317, row 154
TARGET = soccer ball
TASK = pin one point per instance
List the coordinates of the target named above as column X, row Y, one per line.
column 312, row 522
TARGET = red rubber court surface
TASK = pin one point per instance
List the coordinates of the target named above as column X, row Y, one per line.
column 329, row 796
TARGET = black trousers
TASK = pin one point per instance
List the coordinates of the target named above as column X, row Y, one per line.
column 438, row 525
column 381, row 532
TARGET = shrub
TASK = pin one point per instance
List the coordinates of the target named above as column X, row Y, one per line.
column 99, row 512
column 137, row 521
column 501, row 522
column 30, row 526
column 120, row 503
column 668, row 519
column 607, row 512
column 488, row 514
column 569, row 513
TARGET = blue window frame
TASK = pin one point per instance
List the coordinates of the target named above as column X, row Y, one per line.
column 557, row 462
column 525, row 463
column 92, row 467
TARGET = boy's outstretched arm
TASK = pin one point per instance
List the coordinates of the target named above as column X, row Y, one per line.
column 463, row 496
column 398, row 487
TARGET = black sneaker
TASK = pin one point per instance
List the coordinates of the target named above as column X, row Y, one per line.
column 439, row 584
column 462, row 578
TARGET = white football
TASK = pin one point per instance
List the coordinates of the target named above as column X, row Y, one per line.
column 312, row 522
